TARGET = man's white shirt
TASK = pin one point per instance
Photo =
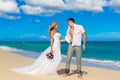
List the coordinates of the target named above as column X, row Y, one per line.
column 77, row 35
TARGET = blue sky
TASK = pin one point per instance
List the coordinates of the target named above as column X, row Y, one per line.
column 29, row 20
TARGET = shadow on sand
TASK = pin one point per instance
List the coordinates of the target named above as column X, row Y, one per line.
column 72, row 72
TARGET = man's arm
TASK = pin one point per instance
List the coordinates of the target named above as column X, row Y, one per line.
column 85, row 39
column 66, row 37
column 63, row 40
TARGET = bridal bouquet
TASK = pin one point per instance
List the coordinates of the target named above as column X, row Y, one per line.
column 50, row 55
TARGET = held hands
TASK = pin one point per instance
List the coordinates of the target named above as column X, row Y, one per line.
column 63, row 40
column 83, row 47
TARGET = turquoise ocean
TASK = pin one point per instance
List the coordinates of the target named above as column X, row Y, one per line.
column 97, row 54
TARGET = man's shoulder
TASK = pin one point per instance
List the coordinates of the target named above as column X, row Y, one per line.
column 78, row 25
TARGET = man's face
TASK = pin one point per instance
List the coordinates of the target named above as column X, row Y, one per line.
column 70, row 23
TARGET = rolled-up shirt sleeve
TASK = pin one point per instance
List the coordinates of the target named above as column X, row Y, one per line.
column 82, row 29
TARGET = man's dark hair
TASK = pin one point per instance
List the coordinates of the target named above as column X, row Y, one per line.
column 71, row 19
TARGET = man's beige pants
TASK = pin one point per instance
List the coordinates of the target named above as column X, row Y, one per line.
column 71, row 50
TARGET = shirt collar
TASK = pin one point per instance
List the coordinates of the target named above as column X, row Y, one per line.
column 74, row 26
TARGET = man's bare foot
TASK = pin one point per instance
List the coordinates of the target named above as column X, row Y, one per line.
column 65, row 75
column 79, row 76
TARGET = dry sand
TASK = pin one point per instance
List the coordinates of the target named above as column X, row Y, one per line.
column 10, row 60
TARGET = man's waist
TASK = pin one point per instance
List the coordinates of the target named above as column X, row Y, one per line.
column 75, row 44
column 70, row 42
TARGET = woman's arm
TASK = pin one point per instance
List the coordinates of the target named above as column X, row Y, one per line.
column 51, row 41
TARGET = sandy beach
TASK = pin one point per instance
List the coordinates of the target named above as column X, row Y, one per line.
column 10, row 60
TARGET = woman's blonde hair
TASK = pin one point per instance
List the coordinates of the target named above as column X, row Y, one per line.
column 52, row 27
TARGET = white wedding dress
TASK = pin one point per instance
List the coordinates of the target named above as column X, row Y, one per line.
column 42, row 64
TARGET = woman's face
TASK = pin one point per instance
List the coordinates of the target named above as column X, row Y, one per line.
column 56, row 26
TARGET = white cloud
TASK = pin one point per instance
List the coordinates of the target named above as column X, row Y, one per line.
column 50, row 7
column 43, row 7
column 115, row 4
column 8, row 6
column 43, row 37
column 86, row 5
column 33, row 36
column 107, row 36
column 9, row 17
column 29, row 35
column 52, row 4
column 110, row 34
column 31, row 9
column 37, row 10
column 37, row 20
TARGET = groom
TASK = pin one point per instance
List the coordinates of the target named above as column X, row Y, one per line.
column 73, row 37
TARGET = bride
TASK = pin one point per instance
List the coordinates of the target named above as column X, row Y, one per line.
column 43, row 65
